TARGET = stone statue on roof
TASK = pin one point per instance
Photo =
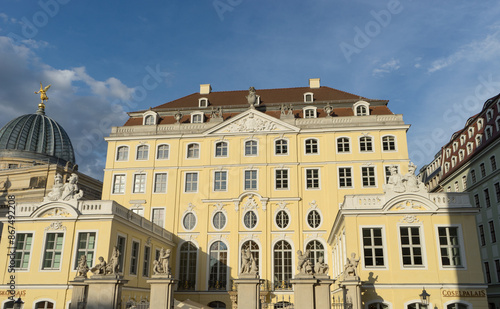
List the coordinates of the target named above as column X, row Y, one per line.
column 251, row 97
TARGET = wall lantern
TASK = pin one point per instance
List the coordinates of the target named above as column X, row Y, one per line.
column 424, row 297
column 18, row 304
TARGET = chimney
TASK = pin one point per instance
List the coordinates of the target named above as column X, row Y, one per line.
column 314, row 83
column 205, row 88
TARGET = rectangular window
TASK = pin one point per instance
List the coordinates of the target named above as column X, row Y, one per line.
column 120, row 244
column 493, row 162
column 487, row 272
column 449, row 246
column 487, row 197
column 281, row 179
column 145, row 263
column 464, row 182
column 86, row 246
column 497, row 191
column 312, row 178
column 220, row 181
column 251, row 180
column 191, row 184
column 160, row 183
column 476, row 201
column 473, row 176
column 53, row 251
column 497, row 266
column 483, row 170
column 481, row 235
column 345, row 177
column 158, row 216
column 343, row 145
column 134, row 258
column 492, row 232
column 365, row 144
column 139, row 183
column 281, row 147
column 373, row 247
column 119, row 184
column 411, row 246
column 23, row 250
column 368, row 175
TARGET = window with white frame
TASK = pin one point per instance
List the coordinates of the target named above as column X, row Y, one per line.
column 162, row 152
column 309, row 112
column 308, row 97
column 122, row 153
column 142, row 152
column 461, row 155
column 479, row 140
column 220, row 181
column 189, row 221
column 282, row 219
column 251, row 148
column 453, row 161
column 250, row 181
column 219, row 220
column 149, row 120
column 85, row 247
column 388, row 143
column 191, row 182
column 480, row 123
column 197, row 118
column 193, row 151
column 119, row 184
column 23, row 245
column 457, row 306
column 187, row 266
column 455, row 146
column 488, row 132
column 311, row 146
column 52, row 253
column 217, row 278
column 446, row 167
column 146, row 261
column 160, row 183
column 250, row 219
column 345, row 177
column 312, row 178
column 316, row 251
column 139, row 183
column 417, row 306
column 462, row 139
column 120, row 244
column 281, row 179
column 158, row 216
column 470, row 131
column 134, row 258
column 281, row 147
column 373, row 247
column 368, row 176
column 44, row 305
column 282, row 271
column 313, row 219
column 361, row 110
column 203, row 102
column 343, row 144
column 138, row 210
column 470, row 147
column 448, row 152
column 221, row 149
column 365, row 144
column 449, row 246
column 464, row 182
column 411, row 246
column 456, row 187
column 489, row 114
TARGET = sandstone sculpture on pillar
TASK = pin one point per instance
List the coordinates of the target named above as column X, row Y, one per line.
column 304, row 267
column 351, row 265
column 248, row 263
column 162, row 265
column 82, row 268
column 321, row 268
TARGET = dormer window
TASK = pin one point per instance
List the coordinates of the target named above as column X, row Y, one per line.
column 479, row 139
column 150, row 118
column 197, row 117
column 470, row 147
column 488, row 131
column 461, row 155
column 203, row 102
column 448, row 152
column 497, row 123
column 453, row 161
column 462, row 140
column 310, row 112
column 455, row 146
column 479, row 124
column 361, row 108
column 471, row 132
column 308, row 97
column 489, row 114
column 446, row 167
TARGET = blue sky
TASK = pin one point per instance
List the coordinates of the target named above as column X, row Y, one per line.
column 435, row 61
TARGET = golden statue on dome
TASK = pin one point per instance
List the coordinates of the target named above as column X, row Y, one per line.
column 43, row 95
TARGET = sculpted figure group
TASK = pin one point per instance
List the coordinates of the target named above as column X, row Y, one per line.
column 162, row 265
column 111, row 268
column 65, row 192
column 305, row 266
column 407, row 183
column 248, row 263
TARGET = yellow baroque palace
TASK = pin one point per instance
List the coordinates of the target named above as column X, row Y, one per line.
column 273, row 171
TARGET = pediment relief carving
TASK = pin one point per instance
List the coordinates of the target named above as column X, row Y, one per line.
column 409, row 205
column 55, row 212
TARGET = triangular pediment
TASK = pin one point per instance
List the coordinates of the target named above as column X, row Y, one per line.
column 253, row 122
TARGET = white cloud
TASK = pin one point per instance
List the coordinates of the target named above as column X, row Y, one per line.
column 482, row 50
column 388, row 67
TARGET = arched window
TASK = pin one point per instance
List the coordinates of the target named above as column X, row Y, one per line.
column 377, row 306
column 221, row 149
column 217, row 305
column 417, row 306
column 122, row 153
column 142, row 152
column 361, row 110
column 163, row 152
column 218, row 266
column 282, row 256
column 283, row 305
column 254, row 250
column 251, row 148
column 343, row 144
column 193, row 151
column 187, row 266
column 365, row 144
column 457, row 306
column 311, row 146
column 388, row 143
column 44, row 305
column 308, row 97
column 8, row 305
column 316, row 250
column 197, row 118
column 281, row 147
column 150, row 120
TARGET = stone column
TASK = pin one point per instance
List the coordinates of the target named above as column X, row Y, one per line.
column 322, row 292
column 79, row 293
column 352, row 291
column 248, row 286
column 162, row 291
column 105, row 291
column 303, row 290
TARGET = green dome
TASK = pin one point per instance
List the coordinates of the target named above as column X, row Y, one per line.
column 36, row 136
